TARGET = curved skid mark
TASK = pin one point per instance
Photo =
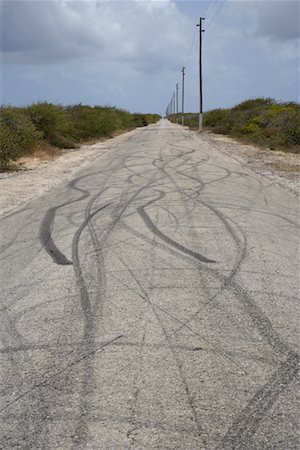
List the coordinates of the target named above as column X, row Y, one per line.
column 153, row 228
column 47, row 223
column 47, row 241
column 247, row 422
column 240, row 244
column 86, row 307
column 171, row 251
column 87, row 379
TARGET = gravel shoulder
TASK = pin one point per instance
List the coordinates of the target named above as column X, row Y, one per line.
column 280, row 168
column 38, row 176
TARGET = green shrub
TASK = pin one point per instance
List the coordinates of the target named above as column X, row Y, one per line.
column 18, row 135
column 50, row 119
column 142, row 120
column 61, row 127
column 139, row 120
column 111, row 121
column 54, row 122
column 215, row 117
column 87, row 121
column 100, row 121
column 59, row 141
column 261, row 121
column 253, row 104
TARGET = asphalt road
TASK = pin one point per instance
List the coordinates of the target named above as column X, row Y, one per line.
column 151, row 303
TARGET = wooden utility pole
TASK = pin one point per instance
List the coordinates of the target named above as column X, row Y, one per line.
column 174, row 106
column 177, row 102
column 200, row 73
column 183, row 74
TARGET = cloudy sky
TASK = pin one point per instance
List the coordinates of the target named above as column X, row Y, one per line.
column 130, row 53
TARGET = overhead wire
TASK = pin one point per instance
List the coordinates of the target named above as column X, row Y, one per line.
column 195, row 41
column 221, row 4
column 192, row 50
column 209, row 7
column 210, row 13
column 212, row 9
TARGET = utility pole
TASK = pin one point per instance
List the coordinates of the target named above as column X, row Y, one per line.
column 177, row 86
column 200, row 72
column 183, row 74
column 173, row 103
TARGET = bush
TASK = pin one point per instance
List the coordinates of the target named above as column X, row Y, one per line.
column 87, row 121
column 53, row 122
column 18, row 135
column 139, row 120
column 215, row 117
column 61, row 127
column 253, row 103
column 100, row 121
column 260, row 121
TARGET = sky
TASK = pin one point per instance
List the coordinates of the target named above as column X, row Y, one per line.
column 129, row 54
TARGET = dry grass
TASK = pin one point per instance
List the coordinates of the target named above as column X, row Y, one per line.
column 44, row 152
column 285, row 167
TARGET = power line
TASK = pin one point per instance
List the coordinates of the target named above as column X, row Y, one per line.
column 192, row 50
column 210, row 7
column 221, row 2
column 193, row 54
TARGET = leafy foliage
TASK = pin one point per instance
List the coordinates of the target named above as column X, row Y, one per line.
column 22, row 129
column 18, row 135
column 49, row 119
column 261, row 121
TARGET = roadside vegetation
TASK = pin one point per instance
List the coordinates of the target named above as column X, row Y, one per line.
column 262, row 121
column 24, row 131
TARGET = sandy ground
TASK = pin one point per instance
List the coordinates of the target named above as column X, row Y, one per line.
column 38, row 176
column 280, row 168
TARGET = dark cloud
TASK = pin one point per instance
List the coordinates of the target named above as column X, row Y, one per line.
column 35, row 31
column 134, row 31
column 130, row 53
column 279, row 19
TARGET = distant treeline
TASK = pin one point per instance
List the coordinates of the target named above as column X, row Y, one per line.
column 261, row 121
column 23, row 130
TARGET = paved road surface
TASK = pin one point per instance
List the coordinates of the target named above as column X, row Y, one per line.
column 151, row 303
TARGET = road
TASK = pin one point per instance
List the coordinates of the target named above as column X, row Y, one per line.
column 151, row 303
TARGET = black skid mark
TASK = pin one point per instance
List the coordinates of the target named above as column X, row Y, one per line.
column 241, row 431
column 47, row 223
column 47, row 241
column 155, row 230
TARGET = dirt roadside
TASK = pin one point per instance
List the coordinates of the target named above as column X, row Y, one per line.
column 278, row 167
column 38, row 176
